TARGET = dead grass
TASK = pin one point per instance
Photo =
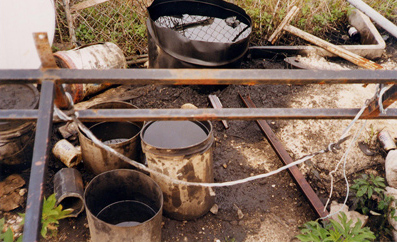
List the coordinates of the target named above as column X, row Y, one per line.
column 316, row 17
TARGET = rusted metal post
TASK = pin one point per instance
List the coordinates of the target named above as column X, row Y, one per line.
column 42, row 140
column 39, row 163
column 284, row 156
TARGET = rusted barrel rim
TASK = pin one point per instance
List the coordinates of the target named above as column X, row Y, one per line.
column 199, row 147
column 115, row 145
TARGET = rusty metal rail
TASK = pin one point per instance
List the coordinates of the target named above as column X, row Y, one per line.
column 286, row 159
column 201, row 76
column 97, row 115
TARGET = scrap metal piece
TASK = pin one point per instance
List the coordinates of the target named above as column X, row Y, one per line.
column 69, row 190
column 284, row 156
column 216, row 103
column 388, row 98
column 184, row 26
column 365, row 149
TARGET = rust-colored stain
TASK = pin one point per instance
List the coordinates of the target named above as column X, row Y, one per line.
column 38, row 163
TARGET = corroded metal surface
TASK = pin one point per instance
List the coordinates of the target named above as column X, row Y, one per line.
column 97, row 115
column 39, row 163
column 200, row 76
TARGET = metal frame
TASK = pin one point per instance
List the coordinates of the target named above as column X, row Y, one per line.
column 52, row 93
column 51, row 78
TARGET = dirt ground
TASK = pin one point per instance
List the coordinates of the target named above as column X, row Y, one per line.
column 274, row 207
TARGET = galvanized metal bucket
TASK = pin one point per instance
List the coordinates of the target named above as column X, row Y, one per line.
column 181, row 150
column 124, row 205
column 16, row 138
column 125, row 136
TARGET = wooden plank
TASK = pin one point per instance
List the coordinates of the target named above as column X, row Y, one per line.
column 290, row 15
column 350, row 56
column 86, row 4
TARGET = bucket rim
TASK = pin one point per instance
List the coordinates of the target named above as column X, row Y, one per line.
column 18, row 131
column 159, row 211
column 114, row 145
column 209, row 138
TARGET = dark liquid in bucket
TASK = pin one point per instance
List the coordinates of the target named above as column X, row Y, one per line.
column 175, row 134
column 126, row 213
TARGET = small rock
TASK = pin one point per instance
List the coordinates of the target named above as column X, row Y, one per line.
column 212, row 192
column 214, row 209
column 390, row 191
column 240, row 214
column 353, row 215
column 224, row 166
column 188, row 106
column 23, row 191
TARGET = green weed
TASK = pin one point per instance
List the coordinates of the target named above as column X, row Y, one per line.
column 51, row 214
column 370, row 198
column 333, row 231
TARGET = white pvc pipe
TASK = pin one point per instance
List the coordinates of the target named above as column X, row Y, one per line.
column 375, row 16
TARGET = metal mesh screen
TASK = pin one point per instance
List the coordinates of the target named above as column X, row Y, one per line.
column 119, row 21
column 204, row 28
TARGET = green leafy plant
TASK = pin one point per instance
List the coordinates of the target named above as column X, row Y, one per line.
column 8, row 235
column 370, row 198
column 51, row 214
column 369, row 190
column 333, row 231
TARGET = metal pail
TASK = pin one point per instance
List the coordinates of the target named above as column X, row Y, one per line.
column 125, row 136
column 17, row 137
column 124, row 205
column 181, row 150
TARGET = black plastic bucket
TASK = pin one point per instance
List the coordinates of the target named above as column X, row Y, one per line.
column 200, row 33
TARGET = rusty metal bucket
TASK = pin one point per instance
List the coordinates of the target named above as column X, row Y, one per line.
column 121, row 136
column 181, row 150
column 16, row 138
column 124, row 205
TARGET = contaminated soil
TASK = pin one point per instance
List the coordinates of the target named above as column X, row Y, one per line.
column 268, row 209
